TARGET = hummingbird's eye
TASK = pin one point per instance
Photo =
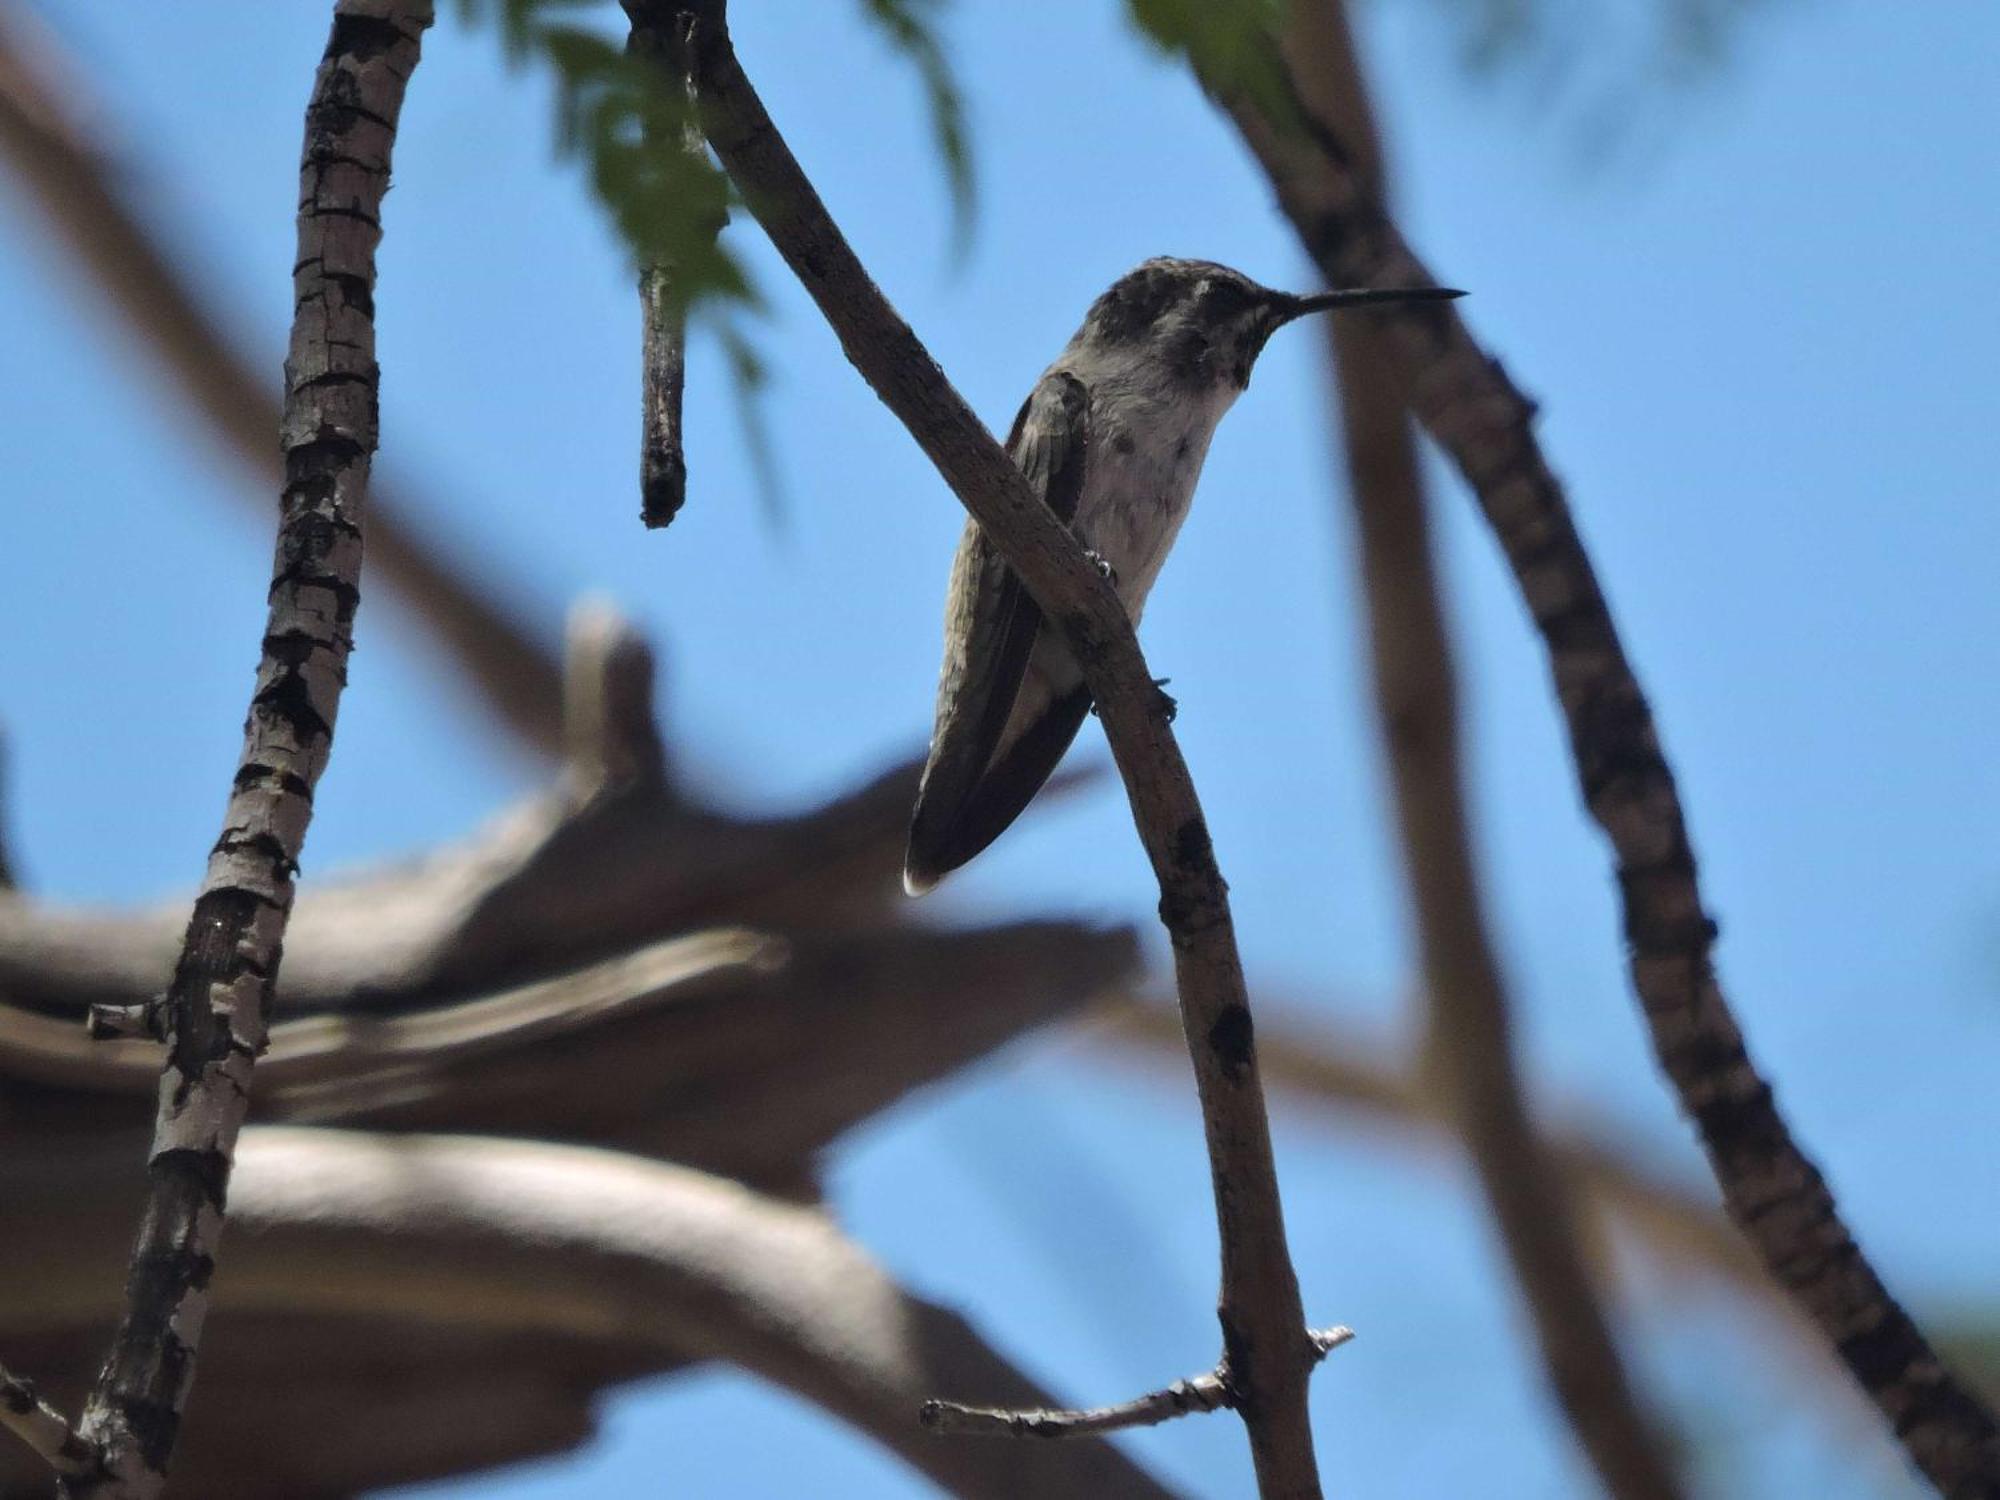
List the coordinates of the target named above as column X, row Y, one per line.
column 1221, row 300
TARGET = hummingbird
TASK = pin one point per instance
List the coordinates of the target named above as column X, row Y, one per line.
column 1112, row 439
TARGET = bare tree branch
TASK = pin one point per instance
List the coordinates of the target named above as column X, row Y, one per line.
column 1484, row 425
column 563, row 879
column 45, row 137
column 567, row 946
column 1269, row 1354
column 218, row 1001
column 1469, row 1044
column 740, row 1053
column 663, row 329
column 24, row 1413
column 662, row 387
column 472, row 1245
column 1200, row 1393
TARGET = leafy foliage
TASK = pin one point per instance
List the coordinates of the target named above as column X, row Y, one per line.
column 635, row 138
column 909, row 26
column 1679, row 39
column 1232, row 43
column 1616, row 73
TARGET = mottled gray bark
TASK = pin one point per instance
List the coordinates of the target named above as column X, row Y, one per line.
column 1469, row 1036
column 216, row 1012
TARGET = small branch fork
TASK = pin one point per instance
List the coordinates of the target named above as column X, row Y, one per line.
column 216, row 1010
column 1484, row 425
column 1200, row 1393
column 1267, row 1346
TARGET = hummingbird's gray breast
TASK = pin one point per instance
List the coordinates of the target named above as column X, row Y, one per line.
column 1112, row 440
column 1147, row 446
column 1145, row 453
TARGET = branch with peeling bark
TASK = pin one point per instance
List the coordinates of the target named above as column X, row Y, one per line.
column 216, row 1010
column 46, row 137
column 1484, row 425
column 1469, row 1045
column 1267, row 1348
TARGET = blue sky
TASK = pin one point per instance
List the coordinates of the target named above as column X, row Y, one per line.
column 1762, row 324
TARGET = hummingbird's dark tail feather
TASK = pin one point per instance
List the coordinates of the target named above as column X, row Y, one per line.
column 942, row 840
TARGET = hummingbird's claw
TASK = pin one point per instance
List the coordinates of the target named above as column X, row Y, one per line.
column 1103, row 565
column 1167, row 705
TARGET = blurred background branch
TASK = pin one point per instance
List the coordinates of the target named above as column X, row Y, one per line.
column 1469, row 1042
column 1484, row 425
column 646, row 1027
column 513, row 1278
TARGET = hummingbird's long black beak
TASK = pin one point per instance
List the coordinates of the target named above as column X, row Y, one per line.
column 1290, row 307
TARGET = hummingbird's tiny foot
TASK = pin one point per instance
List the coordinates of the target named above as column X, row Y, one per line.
column 1103, row 565
column 1167, row 705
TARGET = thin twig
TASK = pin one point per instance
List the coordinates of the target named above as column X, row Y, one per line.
column 1264, row 1333
column 663, row 383
column 45, row 135
column 218, row 1003
column 1469, row 1046
column 1200, row 1393
column 663, row 328
column 24, row 1413
column 1484, row 425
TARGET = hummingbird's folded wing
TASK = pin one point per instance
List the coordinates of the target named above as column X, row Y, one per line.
column 967, row 797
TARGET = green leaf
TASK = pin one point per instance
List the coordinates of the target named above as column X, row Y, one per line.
column 631, row 130
column 628, row 127
column 911, row 29
column 747, row 378
column 1232, row 44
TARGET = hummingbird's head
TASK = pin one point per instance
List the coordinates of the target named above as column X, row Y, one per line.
column 1206, row 324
